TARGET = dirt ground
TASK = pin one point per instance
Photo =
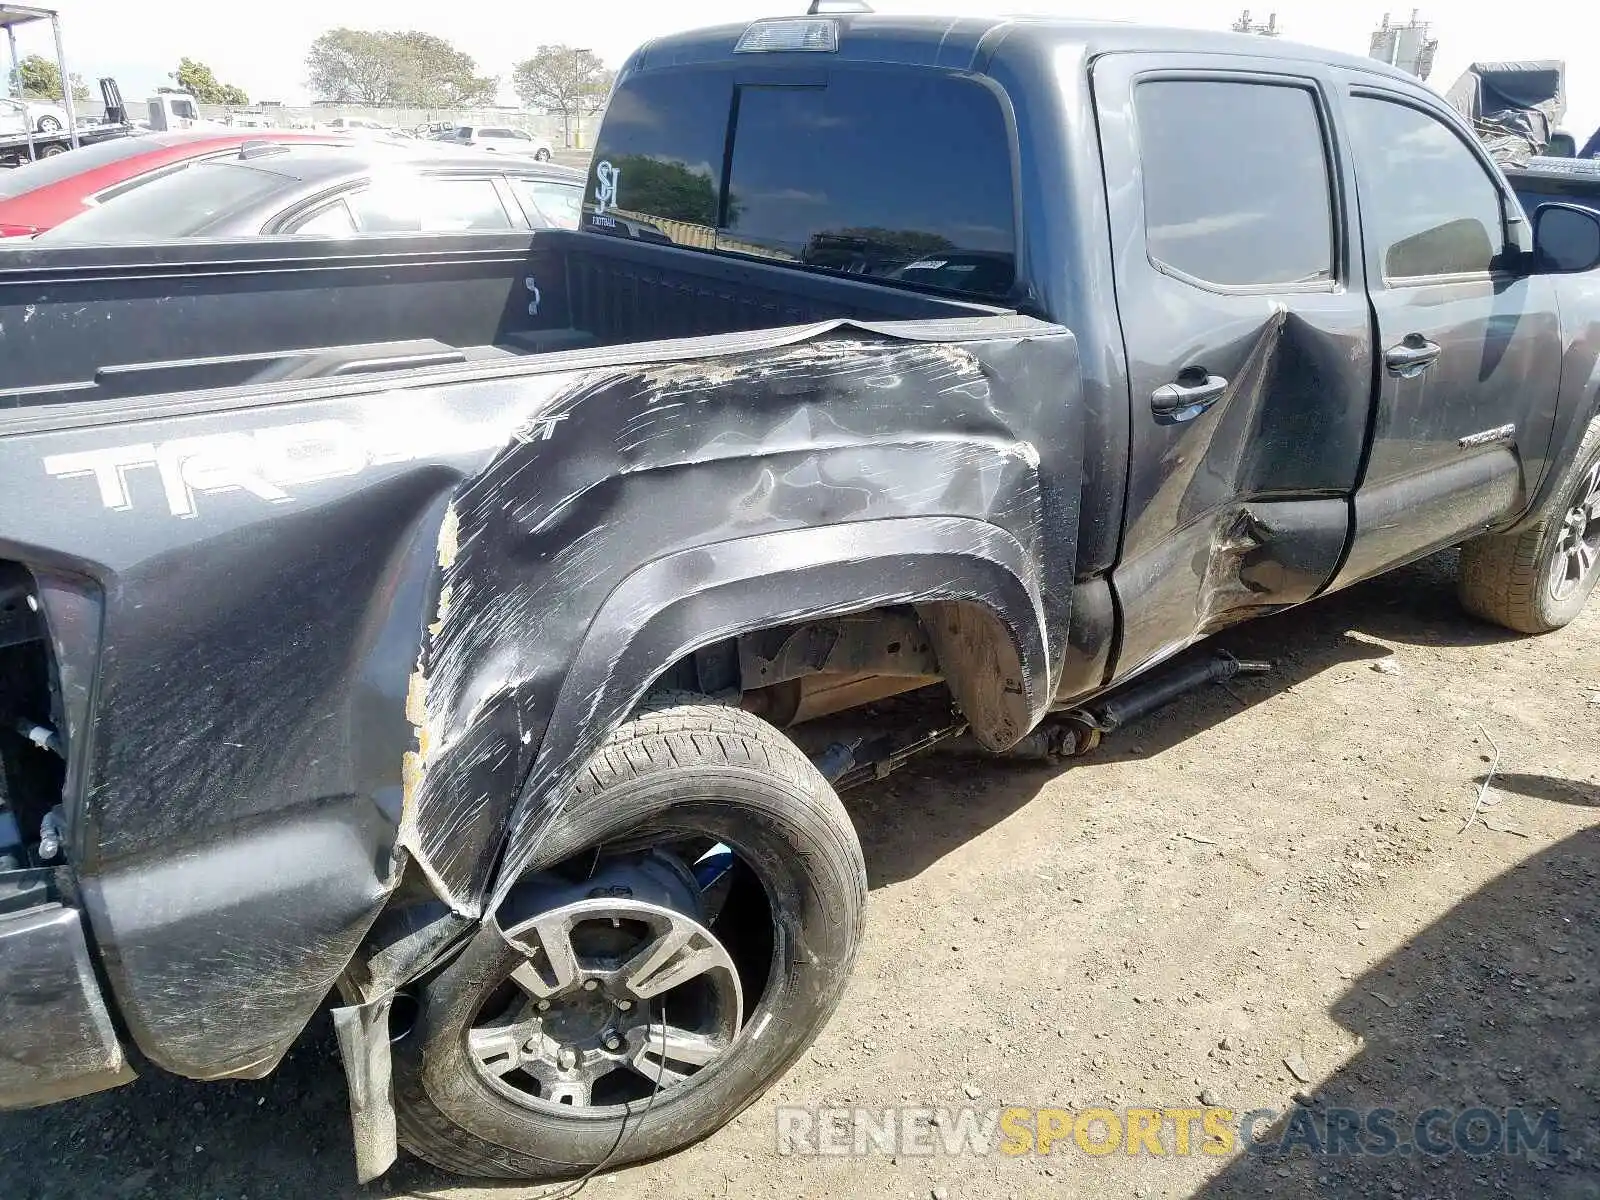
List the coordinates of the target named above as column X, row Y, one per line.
column 1276, row 871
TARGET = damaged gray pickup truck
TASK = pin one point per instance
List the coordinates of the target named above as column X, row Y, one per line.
column 439, row 621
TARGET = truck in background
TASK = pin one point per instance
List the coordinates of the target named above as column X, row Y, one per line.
column 21, row 140
column 168, row 110
column 1514, row 107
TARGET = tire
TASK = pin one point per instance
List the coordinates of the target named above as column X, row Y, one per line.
column 49, row 125
column 52, row 151
column 1508, row 578
column 541, row 155
column 696, row 766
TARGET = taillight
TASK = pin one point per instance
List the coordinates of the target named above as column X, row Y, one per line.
column 9, row 230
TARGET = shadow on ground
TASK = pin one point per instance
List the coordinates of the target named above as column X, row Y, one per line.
column 1496, row 1006
column 1484, row 992
column 1545, row 787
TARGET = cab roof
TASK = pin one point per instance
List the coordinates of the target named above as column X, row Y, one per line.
column 965, row 43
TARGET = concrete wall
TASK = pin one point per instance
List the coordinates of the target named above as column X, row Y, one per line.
column 544, row 125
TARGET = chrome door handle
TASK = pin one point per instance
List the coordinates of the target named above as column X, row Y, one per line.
column 1411, row 357
column 1184, row 400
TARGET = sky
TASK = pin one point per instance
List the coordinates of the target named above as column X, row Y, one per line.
column 262, row 47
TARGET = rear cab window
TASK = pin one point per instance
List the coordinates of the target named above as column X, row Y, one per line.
column 902, row 176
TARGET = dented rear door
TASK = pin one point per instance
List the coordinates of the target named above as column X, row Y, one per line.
column 1247, row 333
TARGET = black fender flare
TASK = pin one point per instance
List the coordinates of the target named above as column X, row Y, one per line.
column 1545, row 495
column 973, row 573
column 1575, row 409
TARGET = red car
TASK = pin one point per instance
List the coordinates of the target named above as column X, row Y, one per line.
column 43, row 194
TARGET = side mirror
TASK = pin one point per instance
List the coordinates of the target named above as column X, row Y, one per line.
column 1562, row 145
column 1566, row 239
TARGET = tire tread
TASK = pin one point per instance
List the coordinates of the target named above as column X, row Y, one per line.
column 1501, row 577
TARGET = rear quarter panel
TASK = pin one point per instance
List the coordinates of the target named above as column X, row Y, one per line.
column 318, row 631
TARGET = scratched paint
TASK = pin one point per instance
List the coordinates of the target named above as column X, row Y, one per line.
column 655, row 462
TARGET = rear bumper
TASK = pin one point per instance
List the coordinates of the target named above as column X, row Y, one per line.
column 56, row 1037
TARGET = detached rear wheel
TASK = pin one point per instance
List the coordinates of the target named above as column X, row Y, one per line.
column 1539, row 580
column 658, row 983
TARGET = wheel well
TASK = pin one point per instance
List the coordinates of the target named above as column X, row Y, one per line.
column 795, row 672
column 30, row 772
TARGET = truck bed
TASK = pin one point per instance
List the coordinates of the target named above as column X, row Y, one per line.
column 98, row 323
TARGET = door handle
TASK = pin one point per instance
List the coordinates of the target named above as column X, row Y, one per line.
column 1188, row 397
column 1414, row 355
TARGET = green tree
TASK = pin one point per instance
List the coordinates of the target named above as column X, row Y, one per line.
column 380, row 67
column 563, row 79
column 668, row 190
column 38, row 78
column 198, row 80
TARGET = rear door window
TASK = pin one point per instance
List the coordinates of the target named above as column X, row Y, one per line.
column 549, row 205
column 875, row 173
column 332, row 220
column 1236, row 185
column 431, row 204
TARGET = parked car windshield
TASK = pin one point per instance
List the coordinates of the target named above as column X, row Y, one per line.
column 182, row 204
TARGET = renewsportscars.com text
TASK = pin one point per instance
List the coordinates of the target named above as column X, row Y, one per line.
column 1164, row 1132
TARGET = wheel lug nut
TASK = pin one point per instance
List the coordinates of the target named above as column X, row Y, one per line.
column 624, row 1005
column 613, row 1042
column 544, row 1006
column 568, row 1058
column 590, row 985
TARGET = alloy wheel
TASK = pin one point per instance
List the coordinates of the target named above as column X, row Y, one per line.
column 1578, row 541
column 619, row 999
